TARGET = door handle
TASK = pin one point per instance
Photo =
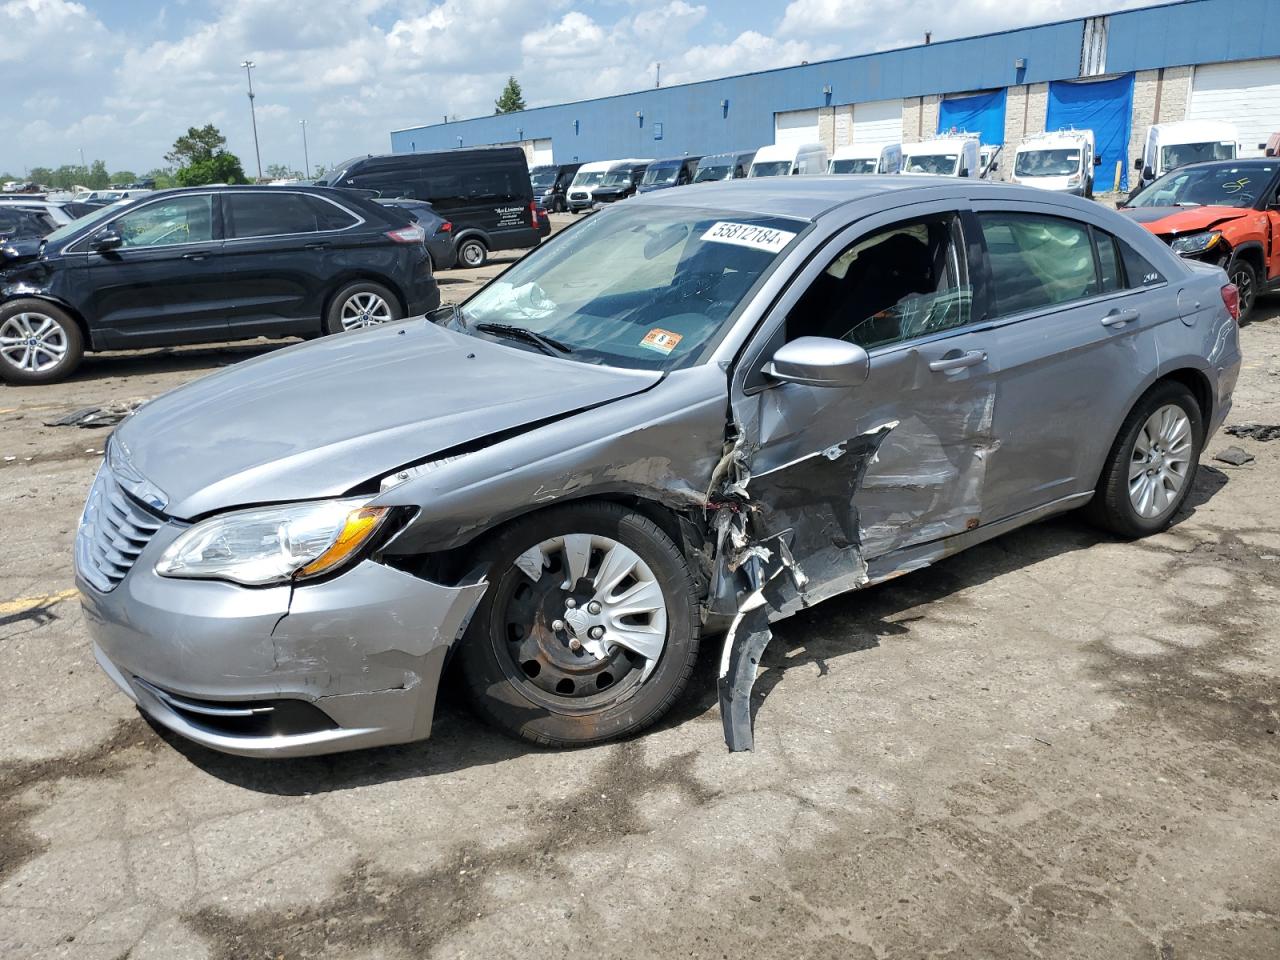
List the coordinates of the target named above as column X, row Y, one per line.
column 195, row 255
column 958, row 362
column 1118, row 318
column 314, row 246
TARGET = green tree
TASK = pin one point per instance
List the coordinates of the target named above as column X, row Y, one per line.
column 512, row 98
column 97, row 176
column 198, row 143
column 163, row 176
column 221, row 167
column 124, row 176
column 41, row 175
column 282, row 171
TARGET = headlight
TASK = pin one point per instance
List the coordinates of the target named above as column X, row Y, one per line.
column 1073, row 180
column 1195, row 243
column 274, row 544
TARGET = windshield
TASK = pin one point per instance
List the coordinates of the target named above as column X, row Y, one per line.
column 616, row 178
column 588, row 179
column 724, row 172
column 645, row 287
column 1047, row 163
column 939, row 164
column 1180, row 154
column 864, row 165
column 75, row 225
column 1221, row 185
column 543, row 178
column 771, row 168
column 661, row 175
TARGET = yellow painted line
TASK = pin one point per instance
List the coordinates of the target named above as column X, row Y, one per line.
column 23, row 604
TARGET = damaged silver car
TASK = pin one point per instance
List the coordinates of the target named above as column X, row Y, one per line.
column 690, row 415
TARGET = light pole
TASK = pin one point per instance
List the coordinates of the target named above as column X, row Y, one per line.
column 253, row 115
column 306, row 158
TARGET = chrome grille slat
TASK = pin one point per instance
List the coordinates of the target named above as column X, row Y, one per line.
column 113, row 533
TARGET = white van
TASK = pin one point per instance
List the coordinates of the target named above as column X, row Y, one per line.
column 1173, row 145
column 944, row 157
column 867, row 158
column 784, row 159
column 584, row 183
column 1061, row 161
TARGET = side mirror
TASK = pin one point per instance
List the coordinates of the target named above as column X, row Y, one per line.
column 1097, row 161
column 964, row 171
column 1137, row 163
column 995, row 165
column 108, row 239
column 1262, row 146
column 1148, row 173
column 820, row 362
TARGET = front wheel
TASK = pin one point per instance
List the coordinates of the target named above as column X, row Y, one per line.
column 39, row 343
column 472, row 253
column 359, row 305
column 1241, row 273
column 1152, row 463
column 588, row 631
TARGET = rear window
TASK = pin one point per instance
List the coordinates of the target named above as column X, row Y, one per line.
column 263, row 214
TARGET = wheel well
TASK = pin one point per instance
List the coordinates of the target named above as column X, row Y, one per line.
column 466, row 235
column 357, row 278
column 65, row 307
column 1198, row 384
column 1252, row 254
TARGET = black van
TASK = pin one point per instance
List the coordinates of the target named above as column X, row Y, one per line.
column 485, row 193
column 551, row 183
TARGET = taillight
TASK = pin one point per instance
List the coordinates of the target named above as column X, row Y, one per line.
column 1231, row 297
column 446, row 227
column 410, row 234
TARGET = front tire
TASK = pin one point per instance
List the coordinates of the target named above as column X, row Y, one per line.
column 589, row 629
column 39, row 342
column 1152, row 464
column 359, row 305
column 1241, row 273
column 472, row 253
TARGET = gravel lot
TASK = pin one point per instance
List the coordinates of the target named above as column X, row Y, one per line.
column 1054, row 745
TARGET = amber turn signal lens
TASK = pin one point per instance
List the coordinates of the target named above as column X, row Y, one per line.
column 360, row 525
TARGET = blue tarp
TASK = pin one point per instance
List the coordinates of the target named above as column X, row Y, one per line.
column 982, row 114
column 1102, row 106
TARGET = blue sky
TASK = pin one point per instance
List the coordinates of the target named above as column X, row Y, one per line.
column 120, row 79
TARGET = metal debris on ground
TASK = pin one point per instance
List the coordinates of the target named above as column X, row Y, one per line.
column 1255, row 431
column 93, row 417
column 1234, row 456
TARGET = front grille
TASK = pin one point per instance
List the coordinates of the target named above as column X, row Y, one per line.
column 113, row 531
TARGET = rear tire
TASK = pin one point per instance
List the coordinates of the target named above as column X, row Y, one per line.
column 39, row 342
column 1245, row 277
column 1152, row 464
column 361, row 304
column 531, row 666
column 472, row 253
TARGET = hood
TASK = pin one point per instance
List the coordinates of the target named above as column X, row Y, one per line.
column 1183, row 219
column 320, row 418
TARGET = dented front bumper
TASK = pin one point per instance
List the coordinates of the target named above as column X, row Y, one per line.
column 354, row 661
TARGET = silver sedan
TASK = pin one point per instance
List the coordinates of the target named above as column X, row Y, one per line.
column 687, row 416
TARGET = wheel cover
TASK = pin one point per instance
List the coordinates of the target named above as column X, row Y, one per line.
column 1160, row 461
column 472, row 253
column 33, row 342
column 1243, row 279
column 364, row 310
column 583, row 622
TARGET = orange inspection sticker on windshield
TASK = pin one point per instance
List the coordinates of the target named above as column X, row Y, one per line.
column 664, row 341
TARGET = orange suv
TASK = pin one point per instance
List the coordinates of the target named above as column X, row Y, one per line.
column 1224, row 212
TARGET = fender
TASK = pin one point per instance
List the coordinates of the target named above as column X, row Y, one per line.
column 468, row 232
column 22, row 290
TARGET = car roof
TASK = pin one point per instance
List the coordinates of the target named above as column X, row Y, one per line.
column 809, row 197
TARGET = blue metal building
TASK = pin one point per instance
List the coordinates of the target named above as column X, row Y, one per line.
column 1150, row 62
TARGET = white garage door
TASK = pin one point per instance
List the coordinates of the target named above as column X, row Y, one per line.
column 795, row 126
column 541, row 153
column 1246, row 93
column 877, row 121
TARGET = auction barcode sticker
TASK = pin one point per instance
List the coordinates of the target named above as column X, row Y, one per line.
column 748, row 235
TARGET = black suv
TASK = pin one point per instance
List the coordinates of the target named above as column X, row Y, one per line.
column 207, row 264
column 485, row 193
column 551, row 184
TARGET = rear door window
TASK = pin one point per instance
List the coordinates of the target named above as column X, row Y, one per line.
column 263, row 214
column 1037, row 261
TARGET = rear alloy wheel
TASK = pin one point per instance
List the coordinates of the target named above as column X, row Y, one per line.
column 39, row 343
column 360, row 305
column 472, row 253
column 588, row 630
column 1152, row 464
column 1241, row 273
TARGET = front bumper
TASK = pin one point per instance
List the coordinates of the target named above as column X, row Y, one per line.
column 363, row 651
